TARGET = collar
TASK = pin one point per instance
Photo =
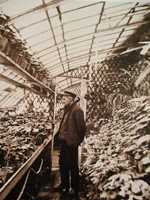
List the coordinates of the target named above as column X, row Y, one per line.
column 69, row 106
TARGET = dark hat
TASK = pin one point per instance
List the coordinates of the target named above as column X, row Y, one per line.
column 71, row 94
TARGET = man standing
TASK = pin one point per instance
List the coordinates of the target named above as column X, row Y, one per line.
column 71, row 134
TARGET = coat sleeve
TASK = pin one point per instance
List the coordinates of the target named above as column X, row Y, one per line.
column 80, row 124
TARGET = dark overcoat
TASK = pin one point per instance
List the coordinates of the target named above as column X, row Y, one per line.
column 72, row 127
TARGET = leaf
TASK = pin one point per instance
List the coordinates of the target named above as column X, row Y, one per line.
column 145, row 160
column 104, row 195
column 143, row 185
column 122, row 192
column 135, row 187
column 147, row 169
column 135, row 197
column 130, row 148
column 143, row 139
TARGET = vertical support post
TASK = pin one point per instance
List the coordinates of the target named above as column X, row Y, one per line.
column 83, row 106
column 53, row 125
column 90, row 74
column 83, row 93
column 96, row 59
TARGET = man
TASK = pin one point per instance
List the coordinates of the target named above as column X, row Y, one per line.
column 71, row 134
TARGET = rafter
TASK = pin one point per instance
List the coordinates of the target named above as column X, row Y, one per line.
column 96, row 30
column 132, row 10
column 23, row 72
column 52, row 30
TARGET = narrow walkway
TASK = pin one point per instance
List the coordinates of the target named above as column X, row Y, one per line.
column 47, row 192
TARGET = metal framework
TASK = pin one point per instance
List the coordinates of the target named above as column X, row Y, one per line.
column 51, row 27
column 68, row 37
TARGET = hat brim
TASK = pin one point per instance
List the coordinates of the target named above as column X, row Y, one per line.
column 68, row 94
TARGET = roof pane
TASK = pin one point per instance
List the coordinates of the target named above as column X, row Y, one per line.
column 15, row 7
column 55, row 36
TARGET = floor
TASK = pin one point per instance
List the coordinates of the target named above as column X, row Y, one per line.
column 47, row 192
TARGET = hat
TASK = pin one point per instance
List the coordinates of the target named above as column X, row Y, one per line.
column 71, row 94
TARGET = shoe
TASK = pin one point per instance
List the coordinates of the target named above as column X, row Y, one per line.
column 61, row 188
column 74, row 194
column 64, row 191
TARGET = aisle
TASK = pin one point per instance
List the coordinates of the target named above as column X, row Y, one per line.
column 47, row 192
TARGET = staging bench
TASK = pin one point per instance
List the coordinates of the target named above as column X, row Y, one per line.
column 16, row 177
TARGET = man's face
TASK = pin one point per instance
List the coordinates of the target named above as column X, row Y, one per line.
column 66, row 100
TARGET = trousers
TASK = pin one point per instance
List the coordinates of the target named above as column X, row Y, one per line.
column 68, row 163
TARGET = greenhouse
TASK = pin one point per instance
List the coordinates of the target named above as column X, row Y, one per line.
column 74, row 100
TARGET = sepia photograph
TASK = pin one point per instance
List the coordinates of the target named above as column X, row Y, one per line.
column 74, row 100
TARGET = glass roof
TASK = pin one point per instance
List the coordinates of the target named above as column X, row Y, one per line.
column 10, row 94
column 66, row 34
column 60, row 33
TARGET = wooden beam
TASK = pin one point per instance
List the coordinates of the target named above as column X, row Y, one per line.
column 21, row 71
column 18, row 84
